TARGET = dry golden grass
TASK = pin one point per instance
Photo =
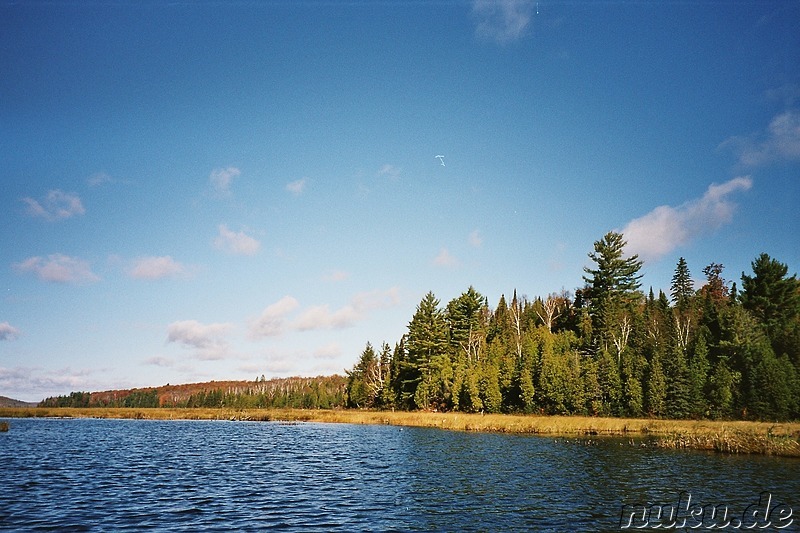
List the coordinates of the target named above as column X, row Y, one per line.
column 724, row 436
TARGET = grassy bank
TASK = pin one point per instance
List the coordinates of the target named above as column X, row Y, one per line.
column 731, row 437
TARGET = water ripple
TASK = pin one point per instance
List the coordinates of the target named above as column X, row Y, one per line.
column 108, row 475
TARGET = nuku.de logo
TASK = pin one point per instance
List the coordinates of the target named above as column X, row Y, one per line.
column 685, row 514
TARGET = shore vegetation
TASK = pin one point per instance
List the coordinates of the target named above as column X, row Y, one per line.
column 782, row 439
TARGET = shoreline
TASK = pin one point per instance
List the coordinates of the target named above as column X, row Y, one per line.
column 765, row 438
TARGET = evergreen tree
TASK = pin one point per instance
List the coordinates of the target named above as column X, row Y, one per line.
column 489, row 384
column 466, row 318
column 767, row 387
column 773, row 298
column 678, row 398
column 655, row 387
column 610, row 382
column 592, row 391
column 362, row 387
column 612, row 287
column 428, row 362
column 721, row 384
column 632, row 388
column 399, row 365
column 682, row 288
column 698, row 376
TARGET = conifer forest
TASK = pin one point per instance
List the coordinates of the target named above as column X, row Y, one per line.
column 724, row 350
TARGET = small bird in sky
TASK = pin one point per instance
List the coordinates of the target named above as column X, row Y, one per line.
column 441, row 159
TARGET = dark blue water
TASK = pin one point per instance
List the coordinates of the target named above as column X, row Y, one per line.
column 116, row 475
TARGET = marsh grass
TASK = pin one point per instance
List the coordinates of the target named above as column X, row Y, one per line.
column 723, row 436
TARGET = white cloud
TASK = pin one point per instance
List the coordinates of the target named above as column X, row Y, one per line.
column 36, row 383
column 275, row 319
column 475, row 239
column 377, row 299
column 158, row 360
column 781, row 142
column 58, row 268
column 328, row 351
column 272, row 321
column 156, row 268
column 502, row 21
column 238, row 243
column 336, row 276
column 445, row 259
column 208, row 339
column 665, row 228
column 221, row 179
column 389, row 171
column 57, row 205
column 297, row 187
column 8, row 332
column 100, row 178
column 321, row 317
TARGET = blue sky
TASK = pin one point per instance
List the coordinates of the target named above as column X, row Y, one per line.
column 221, row 190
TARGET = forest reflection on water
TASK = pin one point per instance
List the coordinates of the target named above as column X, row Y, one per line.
column 193, row 475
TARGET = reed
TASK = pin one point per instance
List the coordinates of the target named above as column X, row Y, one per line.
column 723, row 436
column 3, row 426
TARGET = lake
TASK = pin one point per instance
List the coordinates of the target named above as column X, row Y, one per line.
column 116, row 475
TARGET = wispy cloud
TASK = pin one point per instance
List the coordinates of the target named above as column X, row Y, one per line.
column 328, row 351
column 389, row 171
column 36, row 383
column 336, row 276
column 272, row 321
column 321, row 317
column 221, row 178
column 238, row 243
column 208, row 339
column 56, row 205
column 359, row 308
column 297, row 187
column 98, row 179
column 58, row 268
column 159, row 360
column 780, row 142
column 445, row 259
column 276, row 320
column 8, row 332
column 475, row 239
column 156, row 268
column 665, row 228
column 364, row 302
column 502, row 21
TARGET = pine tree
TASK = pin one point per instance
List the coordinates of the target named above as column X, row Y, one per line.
column 721, row 384
column 678, row 399
column 466, row 318
column 612, row 287
column 655, row 387
column 773, row 298
column 489, row 384
column 698, row 370
column 610, row 381
column 682, row 288
column 428, row 362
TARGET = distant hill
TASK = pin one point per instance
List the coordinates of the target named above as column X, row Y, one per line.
column 308, row 392
column 11, row 402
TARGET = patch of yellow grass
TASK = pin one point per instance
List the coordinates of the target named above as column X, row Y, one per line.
column 724, row 436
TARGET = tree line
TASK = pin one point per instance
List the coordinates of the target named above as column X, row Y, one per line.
column 322, row 392
column 720, row 351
